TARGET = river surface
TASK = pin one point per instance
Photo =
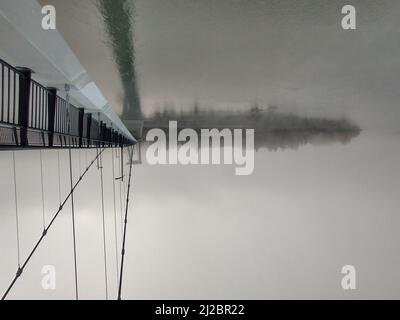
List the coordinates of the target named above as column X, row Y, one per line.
column 200, row 232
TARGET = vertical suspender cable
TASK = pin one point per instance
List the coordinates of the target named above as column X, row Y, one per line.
column 79, row 156
column 73, row 226
column 32, row 252
column 59, row 176
column 123, row 193
column 16, row 213
column 104, row 225
column 120, row 198
column 41, row 182
column 67, row 88
column 125, row 225
column 122, row 163
column 122, row 180
column 115, row 213
column 97, row 161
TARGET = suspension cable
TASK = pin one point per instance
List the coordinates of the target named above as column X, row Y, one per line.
column 59, row 177
column 104, row 226
column 122, row 163
column 98, row 163
column 115, row 213
column 67, row 97
column 73, row 226
column 21, row 268
column 41, row 183
column 120, row 197
column 123, row 181
column 125, row 225
column 79, row 156
column 16, row 213
column 123, row 201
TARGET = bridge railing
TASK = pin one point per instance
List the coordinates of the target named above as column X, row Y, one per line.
column 32, row 115
column 38, row 107
column 9, row 94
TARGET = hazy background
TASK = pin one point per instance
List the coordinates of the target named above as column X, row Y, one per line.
column 200, row 231
column 231, row 53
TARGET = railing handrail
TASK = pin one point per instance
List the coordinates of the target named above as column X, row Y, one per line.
column 40, row 109
column 15, row 69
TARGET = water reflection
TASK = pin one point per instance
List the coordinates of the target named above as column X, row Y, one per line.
column 118, row 19
column 273, row 129
column 283, row 232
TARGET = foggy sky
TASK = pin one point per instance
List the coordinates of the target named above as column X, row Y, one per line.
column 230, row 53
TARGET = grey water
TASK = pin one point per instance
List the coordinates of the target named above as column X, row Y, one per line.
column 201, row 232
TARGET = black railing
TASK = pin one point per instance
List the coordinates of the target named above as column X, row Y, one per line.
column 32, row 115
column 9, row 94
column 38, row 107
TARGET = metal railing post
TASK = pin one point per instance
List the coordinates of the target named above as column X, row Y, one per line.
column 88, row 128
column 24, row 94
column 67, row 89
column 81, row 115
column 51, row 104
column 104, row 134
column 101, row 133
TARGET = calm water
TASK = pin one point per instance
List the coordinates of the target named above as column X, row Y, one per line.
column 202, row 232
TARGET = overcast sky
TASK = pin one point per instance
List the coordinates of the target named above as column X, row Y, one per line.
column 230, row 53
